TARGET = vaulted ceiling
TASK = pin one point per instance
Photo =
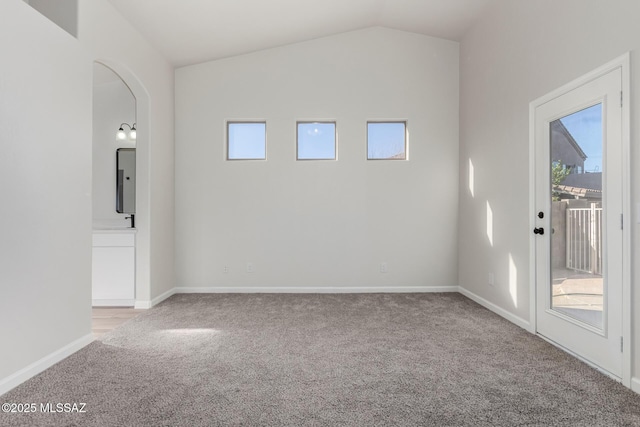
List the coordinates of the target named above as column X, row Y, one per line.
column 192, row 31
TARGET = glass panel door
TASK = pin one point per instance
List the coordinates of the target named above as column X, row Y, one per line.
column 577, row 237
column 577, row 286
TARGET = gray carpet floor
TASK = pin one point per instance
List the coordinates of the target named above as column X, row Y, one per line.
column 324, row 360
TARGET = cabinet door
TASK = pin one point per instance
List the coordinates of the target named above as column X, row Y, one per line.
column 113, row 273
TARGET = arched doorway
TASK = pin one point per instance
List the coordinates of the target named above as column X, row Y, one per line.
column 140, row 117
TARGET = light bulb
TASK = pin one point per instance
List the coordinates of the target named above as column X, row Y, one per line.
column 121, row 135
column 133, row 134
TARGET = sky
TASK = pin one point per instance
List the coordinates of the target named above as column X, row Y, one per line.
column 586, row 128
column 385, row 140
column 316, row 140
column 247, row 141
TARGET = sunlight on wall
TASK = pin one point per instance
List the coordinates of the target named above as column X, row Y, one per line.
column 489, row 223
column 471, row 178
column 513, row 281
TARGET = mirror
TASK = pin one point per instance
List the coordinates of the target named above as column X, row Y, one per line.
column 126, row 180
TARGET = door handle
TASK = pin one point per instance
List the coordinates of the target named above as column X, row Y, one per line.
column 539, row 231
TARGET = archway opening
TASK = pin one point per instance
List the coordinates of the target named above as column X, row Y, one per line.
column 122, row 102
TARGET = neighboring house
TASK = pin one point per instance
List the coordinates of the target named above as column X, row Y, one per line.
column 579, row 184
column 565, row 149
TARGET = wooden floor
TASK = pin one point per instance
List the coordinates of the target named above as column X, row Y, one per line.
column 105, row 319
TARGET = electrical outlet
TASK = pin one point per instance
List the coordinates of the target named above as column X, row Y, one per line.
column 250, row 268
column 383, row 267
column 492, row 280
column 225, row 269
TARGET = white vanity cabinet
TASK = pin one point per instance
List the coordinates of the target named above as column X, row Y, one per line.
column 114, row 267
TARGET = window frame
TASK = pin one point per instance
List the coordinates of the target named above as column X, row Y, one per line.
column 228, row 124
column 335, row 139
column 406, row 138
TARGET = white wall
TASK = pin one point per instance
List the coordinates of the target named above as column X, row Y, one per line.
column 320, row 223
column 45, row 170
column 45, row 184
column 516, row 53
column 113, row 104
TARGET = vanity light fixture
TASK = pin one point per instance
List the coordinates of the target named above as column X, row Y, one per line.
column 121, row 135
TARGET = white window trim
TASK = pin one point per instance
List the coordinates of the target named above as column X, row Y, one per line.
column 335, row 139
column 227, row 123
column 406, row 138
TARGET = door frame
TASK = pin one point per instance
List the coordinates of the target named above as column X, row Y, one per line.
column 622, row 62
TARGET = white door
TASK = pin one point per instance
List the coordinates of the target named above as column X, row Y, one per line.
column 578, row 220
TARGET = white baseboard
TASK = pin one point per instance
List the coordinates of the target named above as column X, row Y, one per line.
column 157, row 300
column 524, row 324
column 635, row 384
column 112, row 302
column 147, row 304
column 312, row 290
column 35, row 368
column 142, row 304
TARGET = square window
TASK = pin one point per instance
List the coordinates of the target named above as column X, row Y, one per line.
column 316, row 141
column 246, row 141
column 386, row 140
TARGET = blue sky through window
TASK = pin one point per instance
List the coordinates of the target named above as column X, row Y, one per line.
column 386, row 140
column 247, row 141
column 317, row 141
column 586, row 128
